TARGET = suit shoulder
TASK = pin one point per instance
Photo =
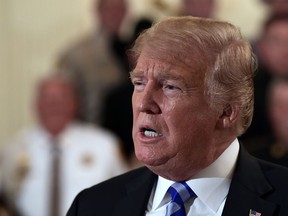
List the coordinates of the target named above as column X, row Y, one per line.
column 109, row 195
column 122, row 179
column 269, row 166
column 274, row 171
column 117, row 184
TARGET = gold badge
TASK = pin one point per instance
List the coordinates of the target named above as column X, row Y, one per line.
column 87, row 159
column 23, row 164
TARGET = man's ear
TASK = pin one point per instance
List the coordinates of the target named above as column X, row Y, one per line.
column 228, row 117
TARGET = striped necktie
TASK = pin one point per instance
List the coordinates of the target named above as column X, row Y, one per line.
column 180, row 193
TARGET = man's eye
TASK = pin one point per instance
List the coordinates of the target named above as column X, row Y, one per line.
column 170, row 87
column 171, row 90
column 138, row 85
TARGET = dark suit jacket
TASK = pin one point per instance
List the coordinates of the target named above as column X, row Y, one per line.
column 256, row 185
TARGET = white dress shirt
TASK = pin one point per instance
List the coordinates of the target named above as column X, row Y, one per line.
column 211, row 186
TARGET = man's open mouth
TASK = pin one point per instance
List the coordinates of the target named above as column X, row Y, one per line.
column 150, row 132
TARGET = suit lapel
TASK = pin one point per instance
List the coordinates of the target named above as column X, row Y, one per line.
column 248, row 189
column 138, row 193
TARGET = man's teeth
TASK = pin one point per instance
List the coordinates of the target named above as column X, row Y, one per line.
column 151, row 133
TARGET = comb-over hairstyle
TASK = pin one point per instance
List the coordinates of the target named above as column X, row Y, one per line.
column 214, row 48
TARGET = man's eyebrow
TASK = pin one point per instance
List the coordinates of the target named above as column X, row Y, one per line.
column 172, row 75
column 163, row 75
column 169, row 76
column 136, row 73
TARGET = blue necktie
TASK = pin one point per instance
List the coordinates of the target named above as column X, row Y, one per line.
column 180, row 193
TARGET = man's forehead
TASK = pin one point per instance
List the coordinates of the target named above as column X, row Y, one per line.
column 163, row 61
column 157, row 66
column 146, row 62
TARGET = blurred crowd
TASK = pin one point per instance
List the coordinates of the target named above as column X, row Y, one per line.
column 271, row 50
column 82, row 132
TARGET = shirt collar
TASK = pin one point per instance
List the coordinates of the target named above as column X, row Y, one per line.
column 211, row 184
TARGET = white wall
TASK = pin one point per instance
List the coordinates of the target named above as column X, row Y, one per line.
column 246, row 14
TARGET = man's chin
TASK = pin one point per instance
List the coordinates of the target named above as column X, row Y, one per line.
column 150, row 160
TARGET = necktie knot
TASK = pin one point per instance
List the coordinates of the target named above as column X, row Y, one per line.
column 180, row 193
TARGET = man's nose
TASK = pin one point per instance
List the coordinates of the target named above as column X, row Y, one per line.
column 148, row 100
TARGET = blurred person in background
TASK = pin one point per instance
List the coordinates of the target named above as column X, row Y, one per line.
column 277, row 6
column 272, row 48
column 273, row 147
column 272, row 53
column 97, row 61
column 45, row 166
column 199, row 8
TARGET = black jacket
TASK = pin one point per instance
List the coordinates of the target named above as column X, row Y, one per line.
column 256, row 185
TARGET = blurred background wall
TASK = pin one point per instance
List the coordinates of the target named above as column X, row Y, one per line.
column 33, row 32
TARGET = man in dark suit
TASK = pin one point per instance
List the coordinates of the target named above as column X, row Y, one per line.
column 193, row 96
